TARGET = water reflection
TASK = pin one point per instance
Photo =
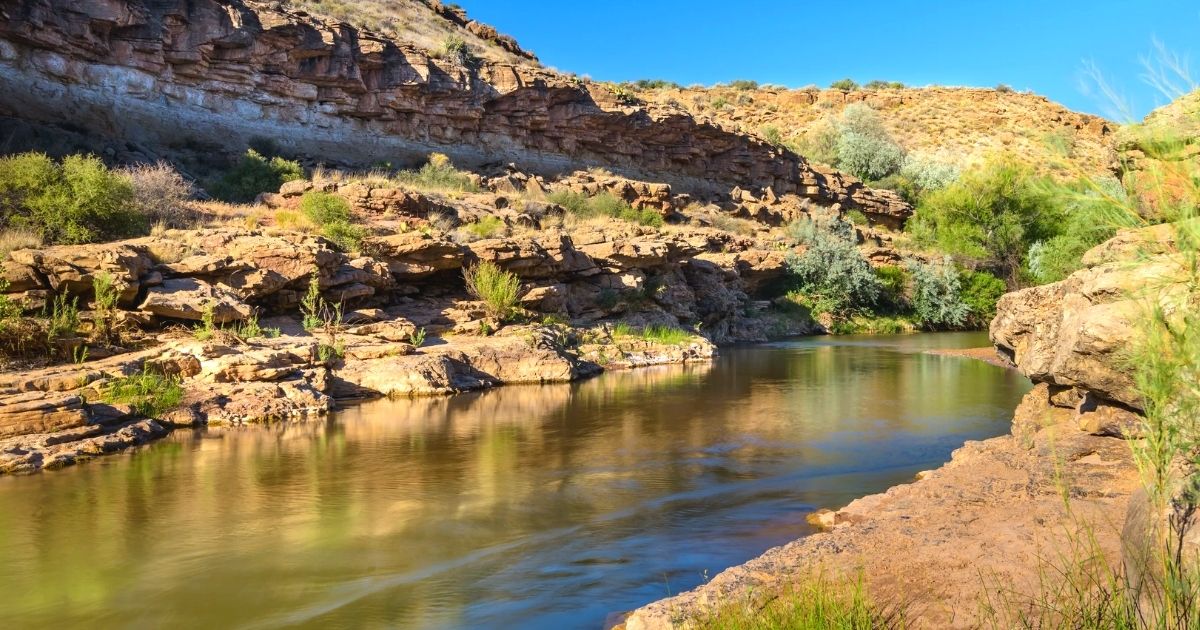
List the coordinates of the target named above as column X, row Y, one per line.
column 538, row 507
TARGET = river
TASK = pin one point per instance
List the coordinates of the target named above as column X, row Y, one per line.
column 539, row 507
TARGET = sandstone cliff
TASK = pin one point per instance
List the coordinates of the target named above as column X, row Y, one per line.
column 143, row 79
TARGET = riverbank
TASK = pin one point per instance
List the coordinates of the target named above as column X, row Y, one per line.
column 57, row 416
column 966, row 546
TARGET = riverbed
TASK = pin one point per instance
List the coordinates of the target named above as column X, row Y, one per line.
column 525, row 506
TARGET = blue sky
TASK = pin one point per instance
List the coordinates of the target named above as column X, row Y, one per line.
column 1044, row 46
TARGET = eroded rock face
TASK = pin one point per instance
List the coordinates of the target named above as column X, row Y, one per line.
column 1076, row 333
column 212, row 73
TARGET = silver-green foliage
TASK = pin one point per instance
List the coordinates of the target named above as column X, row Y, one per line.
column 937, row 294
column 832, row 273
column 864, row 147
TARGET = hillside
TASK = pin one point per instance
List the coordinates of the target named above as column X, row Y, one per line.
column 954, row 125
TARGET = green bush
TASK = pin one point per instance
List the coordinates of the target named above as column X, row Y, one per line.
column 1094, row 211
column 439, row 173
column 848, row 85
column 487, row 227
column 893, row 286
column 980, row 291
column 937, row 295
column 323, row 207
column 76, row 201
column 989, row 217
column 253, row 175
column 604, row 205
column 497, row 288
column 831, row 273
column 332, row 214
column 864, row 147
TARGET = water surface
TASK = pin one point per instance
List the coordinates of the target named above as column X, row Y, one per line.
column 527, row 506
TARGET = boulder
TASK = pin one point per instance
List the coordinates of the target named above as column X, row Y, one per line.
column 189, row 298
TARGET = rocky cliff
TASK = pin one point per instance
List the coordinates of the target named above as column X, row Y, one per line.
column 207, row 77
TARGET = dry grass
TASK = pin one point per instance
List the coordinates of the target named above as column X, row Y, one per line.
column 18, row 238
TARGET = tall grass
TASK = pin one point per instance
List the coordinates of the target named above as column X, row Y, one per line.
column 497, row 288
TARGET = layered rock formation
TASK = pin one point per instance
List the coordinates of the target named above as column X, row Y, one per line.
column 163, row 78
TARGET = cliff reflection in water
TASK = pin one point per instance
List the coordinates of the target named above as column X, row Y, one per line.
column 530, row 506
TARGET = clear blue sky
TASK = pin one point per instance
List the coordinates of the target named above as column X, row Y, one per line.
column 1044, row 46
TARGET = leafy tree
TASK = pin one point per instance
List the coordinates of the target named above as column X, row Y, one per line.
column 989, row 217
column 848, row 85
column 980, row 291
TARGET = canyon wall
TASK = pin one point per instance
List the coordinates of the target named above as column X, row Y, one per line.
column 211, row 76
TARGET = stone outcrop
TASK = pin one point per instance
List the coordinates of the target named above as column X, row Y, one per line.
column 212, row 74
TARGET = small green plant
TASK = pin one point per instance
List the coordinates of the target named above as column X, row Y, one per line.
column 816, row 603
column 251, row 329
column 487, row 227
column 253, row 175
column 312, row 304
column 79, row 355
column 454, row 47
column 149, row 393
column 417, row 338
column 332, row 214
column 497, row 288
column 208, row 326
column 104, row 307
column 62, row 320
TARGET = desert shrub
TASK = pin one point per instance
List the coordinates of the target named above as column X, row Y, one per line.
column 989, row 217
column 771, row 134
column 831, row 273
column 980, row 292
column 864, row 147
column 743, row 84
column 150, row 394
column 347, row 236
column 487, row 227
column 439, row 173
column 882, row 85
column 497, row 288
column 161, row 194
column 1003, row 88
column 604, row 205
column 454, row 47
column 61, row 316
column 323, row 207
column 76, row 201
column 653, row 84
column 848, row 85
column 331, row 213
column 819, row 143
column 104, row 307
column 937, row 295
column 719, row 103
column 253, row 175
